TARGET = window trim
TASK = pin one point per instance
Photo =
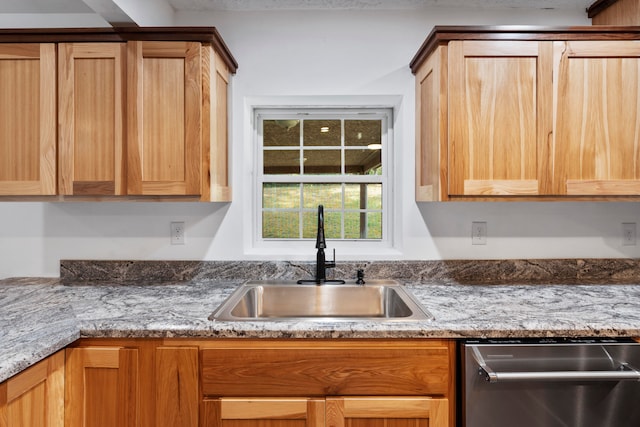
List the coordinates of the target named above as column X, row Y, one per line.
column 302, row 249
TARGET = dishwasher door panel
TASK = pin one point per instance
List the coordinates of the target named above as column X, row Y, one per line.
column 551, row 385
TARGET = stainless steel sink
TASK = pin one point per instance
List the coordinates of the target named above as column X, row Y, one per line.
column 381, row 300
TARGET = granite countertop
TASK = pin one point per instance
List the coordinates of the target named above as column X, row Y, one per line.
column 41, row 316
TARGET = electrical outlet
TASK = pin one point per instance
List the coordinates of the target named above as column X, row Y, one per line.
column 478, row 233
column 177, row 233
column 628, row 234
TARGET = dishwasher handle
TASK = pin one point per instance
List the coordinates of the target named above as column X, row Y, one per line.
column 623, row 373
column 495, row 377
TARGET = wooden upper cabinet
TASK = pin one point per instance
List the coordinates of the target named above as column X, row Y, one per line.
column 164, row 127
column 535, row 113
column 614, row 12
column 215, row 135
column 431, row 127
column 91, row 97
column 597, row 125
column 498, row 108
column 28, row 119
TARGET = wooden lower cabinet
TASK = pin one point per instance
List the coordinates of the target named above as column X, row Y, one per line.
column 259, row 383
column 35, row 397
column 330, row 412
column 101, row 387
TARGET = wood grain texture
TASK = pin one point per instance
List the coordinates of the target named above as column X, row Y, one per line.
column 35, row 397
column 101, row 387
column 177, row 387
column 431, row 128
column 28, row 119
column 164, row 118
column 91, row 94
column 387, row 412
column 285, row 412
column 320, row 369
column 597, row 124
column 493, row 121
column 620, row 12
column 215, row 141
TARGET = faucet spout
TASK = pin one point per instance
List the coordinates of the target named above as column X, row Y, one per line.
column 321, row 261
column 321, row 243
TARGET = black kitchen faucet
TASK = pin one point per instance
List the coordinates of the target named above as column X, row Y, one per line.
column 321, row 262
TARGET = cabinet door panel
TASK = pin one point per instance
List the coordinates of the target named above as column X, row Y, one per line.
column 176, row 386
column 285, row 412
column 28, row 119
column 164, row 112
column 324, row 368
column 387, row 412
column 498, row 116
column 597, row 147
column 101, row 387
column 91, row 117
column 35, row 397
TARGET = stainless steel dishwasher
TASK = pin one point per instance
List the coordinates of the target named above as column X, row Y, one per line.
column 550, row 383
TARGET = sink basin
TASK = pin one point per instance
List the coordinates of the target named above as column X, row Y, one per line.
column 381, row 300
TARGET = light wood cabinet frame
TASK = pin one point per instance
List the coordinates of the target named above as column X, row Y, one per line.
column 91, row 96
column 28, row 105
column 35, row 397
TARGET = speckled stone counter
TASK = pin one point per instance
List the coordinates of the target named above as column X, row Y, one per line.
column 41, row 316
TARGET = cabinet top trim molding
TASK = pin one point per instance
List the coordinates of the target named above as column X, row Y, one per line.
column 441, row 35
column 122, row 34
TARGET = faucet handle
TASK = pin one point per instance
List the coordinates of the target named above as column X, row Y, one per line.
column 331, row 264
column 360, row 279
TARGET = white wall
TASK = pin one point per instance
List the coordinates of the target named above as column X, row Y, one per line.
column 319, row 53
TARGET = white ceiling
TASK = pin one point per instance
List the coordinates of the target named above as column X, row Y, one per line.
column 120, row 12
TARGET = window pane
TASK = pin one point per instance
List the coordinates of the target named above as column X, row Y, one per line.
column 280, row 225
column 322, row 162
column 374, row 225
column 363, row 196
column 374, row 196
column 283, row 196
column 281, row 133
column 281, row 162
column 361, row 225
column 362, row 132
column 332, row 224
column 363, row 162
column 328, row 195
column 354, row 223
column 322, row 133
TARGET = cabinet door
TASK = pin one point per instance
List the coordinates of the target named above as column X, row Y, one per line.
column 164, row 118
column 177, row 389
column 91, row 118
column 431, row 128
column 387, row 412
column 28, row 119
column 597, row 124
column 35, row 397
column 500, row 117
column 101, row 387
column 281, row 412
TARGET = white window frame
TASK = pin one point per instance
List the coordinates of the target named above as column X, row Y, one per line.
column 303, row 249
